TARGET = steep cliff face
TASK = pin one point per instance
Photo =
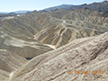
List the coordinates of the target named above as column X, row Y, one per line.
column 89, row 56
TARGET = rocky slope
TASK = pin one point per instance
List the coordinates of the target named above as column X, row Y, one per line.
column 89, row 56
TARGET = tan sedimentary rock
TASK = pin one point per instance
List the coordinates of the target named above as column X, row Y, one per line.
column 88, row 54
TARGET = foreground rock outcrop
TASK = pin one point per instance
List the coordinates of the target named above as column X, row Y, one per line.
column 89, row 56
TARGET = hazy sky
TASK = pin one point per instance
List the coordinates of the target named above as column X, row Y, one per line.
column 14, row 5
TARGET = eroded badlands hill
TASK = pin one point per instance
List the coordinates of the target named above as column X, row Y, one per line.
column 87, row 54
column 70, row 25
column 35, row 33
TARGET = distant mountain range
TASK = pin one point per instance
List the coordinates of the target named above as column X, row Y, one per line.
column 23, row 11
column 17, row 12
column 100, row 6
column 3, row 12
column 65, row 6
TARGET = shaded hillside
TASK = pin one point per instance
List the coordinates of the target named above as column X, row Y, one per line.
column 9, row 62
column 87, row 54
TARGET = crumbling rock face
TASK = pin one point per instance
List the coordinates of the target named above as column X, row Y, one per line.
column 87, row 58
